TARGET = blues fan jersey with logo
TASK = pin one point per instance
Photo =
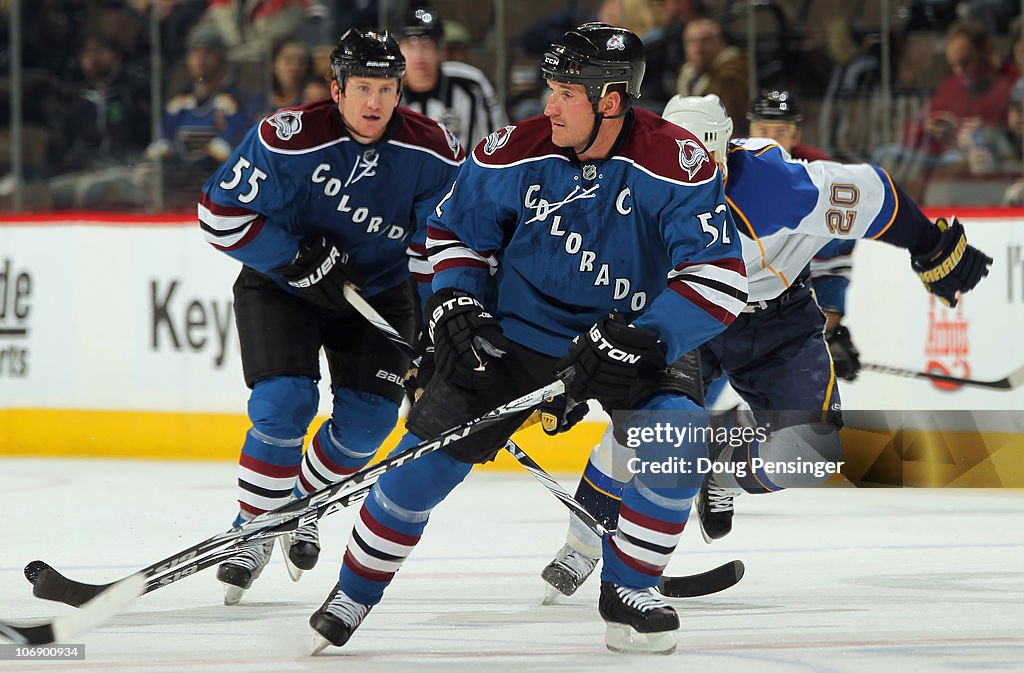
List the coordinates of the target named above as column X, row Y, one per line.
column 299, row 173
column 645, row 231
column 787, row 210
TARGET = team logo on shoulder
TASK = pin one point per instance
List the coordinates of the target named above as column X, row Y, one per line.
column 616, row 42
column 498, row 139
column 691, row 156
column 449, row 137
column 286, row 122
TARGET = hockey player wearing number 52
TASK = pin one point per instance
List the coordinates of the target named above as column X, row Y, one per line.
column 332, row 192
column 774, row 354
column 568, row 239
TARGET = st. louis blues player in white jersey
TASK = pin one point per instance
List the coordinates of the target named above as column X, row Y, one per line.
column 774, row 353
column 314, row 197
column 553, row 223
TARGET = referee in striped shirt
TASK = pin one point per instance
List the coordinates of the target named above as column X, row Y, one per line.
column 455, row 94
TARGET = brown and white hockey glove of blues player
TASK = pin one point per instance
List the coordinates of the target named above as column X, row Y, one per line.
column 319, row 273
column 953, row 266
column 608, row 359
column 467, row 339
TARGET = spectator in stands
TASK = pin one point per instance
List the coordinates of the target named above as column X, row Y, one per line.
column 777, row 115
column 974, row 97
column 106, row 128
column 453, row 93
column 712, row 66
column 291, row 66
column 250, row 28
column 316, row 88
column 203, row 123
column 664, row 47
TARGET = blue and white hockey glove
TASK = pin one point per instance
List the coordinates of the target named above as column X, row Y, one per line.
column 319, row 273
column 467, row 339
column 953, row 266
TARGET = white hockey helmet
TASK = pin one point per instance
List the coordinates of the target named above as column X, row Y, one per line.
column 704, row 117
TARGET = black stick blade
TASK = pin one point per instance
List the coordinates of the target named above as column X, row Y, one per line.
column 702, row 584
column 50, row 585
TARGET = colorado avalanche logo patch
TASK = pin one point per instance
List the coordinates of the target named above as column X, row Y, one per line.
column 616, row 42
column 449, row 137
column 497, row 140
column 691, row 156
column 286, row 122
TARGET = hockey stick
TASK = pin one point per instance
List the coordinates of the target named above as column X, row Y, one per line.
column 96, row 612
column 683, row 586
column 1012, row 381
column 51, row 585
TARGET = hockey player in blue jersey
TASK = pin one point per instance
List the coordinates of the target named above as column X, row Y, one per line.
column 333, row 192
column 774, row 353
column 554, row 222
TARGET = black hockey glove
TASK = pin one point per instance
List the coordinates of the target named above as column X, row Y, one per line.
column 608, row 359
column 952, row 266
column 319, row 273
column 421, row 369
column 845, row 356
column 559, row 414
column 467, row 339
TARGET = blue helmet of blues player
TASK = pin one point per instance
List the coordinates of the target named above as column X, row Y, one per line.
column 704, row 117
column 365, row 53
column 602, row 58
column 775, row 105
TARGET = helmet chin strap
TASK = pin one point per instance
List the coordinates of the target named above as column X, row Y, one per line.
column 598, row 118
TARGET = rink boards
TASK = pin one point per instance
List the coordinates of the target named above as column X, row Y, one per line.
column 117, row 339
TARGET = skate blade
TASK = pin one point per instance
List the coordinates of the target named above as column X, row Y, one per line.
column 232, row 594
column 551, row 595
column 624, row 640
column 294, row 571
column 319, row 644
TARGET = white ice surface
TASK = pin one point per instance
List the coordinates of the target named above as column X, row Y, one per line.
column 837, row 580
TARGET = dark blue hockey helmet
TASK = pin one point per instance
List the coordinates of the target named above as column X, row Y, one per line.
column 422, row 22
column 776, row 105
column 599, row 56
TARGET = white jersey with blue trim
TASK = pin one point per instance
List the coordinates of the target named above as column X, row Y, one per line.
column 644, row 231
column 786, row 210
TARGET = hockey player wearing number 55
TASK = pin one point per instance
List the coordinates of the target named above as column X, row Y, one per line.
column 569, row 239
column 774, row 353
column 330, row 193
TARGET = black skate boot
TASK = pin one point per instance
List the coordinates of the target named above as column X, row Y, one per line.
column 241, row 570
column 302, row 549
column 566, row 572
column 715, row 509
column 638, row 621
column 337, row 619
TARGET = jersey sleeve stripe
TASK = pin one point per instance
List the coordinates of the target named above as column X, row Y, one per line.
column 237, row 239
column 718, row 288
column 896, row 202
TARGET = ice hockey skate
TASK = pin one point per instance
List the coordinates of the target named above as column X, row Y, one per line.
column 336, row 620
column 715, row 508
column 301, row 549
column 566, row 572
column 241, row 570
column 638, row 621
